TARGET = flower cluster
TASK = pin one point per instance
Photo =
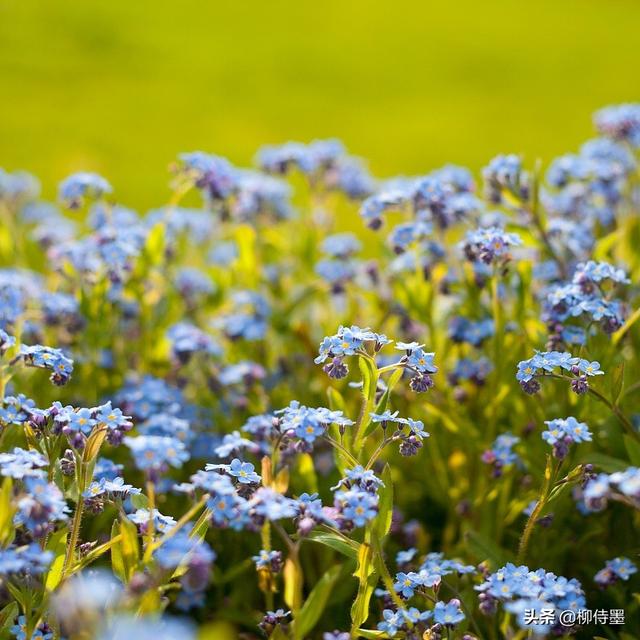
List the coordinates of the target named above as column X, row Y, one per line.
column 195, row 418
column 501, row 453
column 549, row 363
column 356, row 498
column 348, row 341
column 561, row 433
column 584, row 297
column 623, row 486
column 307, row 424
column 521, row 589
column 505, row 181
column 490, row 245
column 48, row 358
column 614, row 571
column 339, row 267
column 463, row 329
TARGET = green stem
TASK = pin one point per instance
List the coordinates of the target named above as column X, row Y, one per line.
column 384, row 572
column 73, row 536
column 549, row 477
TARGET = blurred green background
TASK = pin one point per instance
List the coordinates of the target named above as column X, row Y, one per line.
column 122, row 86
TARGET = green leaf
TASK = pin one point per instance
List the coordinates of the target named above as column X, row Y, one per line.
column 336, row 401
column 369, row 633
column 617, row 380
column 382, row 522
column 57, row 544
column 620, row 333
column 315, row 604
column 126, row 554
column 369, row 373
column 7, row 511
column 342, row 545
column 139, row 501
column 306, row 473
column 633, row 449
column 8, row 615
column 293, row 580
column 117, row 560
column 367, row 581
column 155, row 244
column 382, row 405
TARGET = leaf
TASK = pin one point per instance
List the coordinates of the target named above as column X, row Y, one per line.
column 117, row 560
column 633, row 449
column 246, row 240
column 8, row 615
column 382, row 522
column 369, row 633
column 7, row 511
column 315, row 604
column 620, row 333
column 126, row 554
column 369, row 373
column 382, row 405
column 336, row 401
column 155, row 244
column 150, row 602
column 367, row 580
column 342, row 545
column 292, row 584
column 139, row 501
column 281, row 482
column 307, row 473
column 92, row 447
column 617, row 380
column 57, row 544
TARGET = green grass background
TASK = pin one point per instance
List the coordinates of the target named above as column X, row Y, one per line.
column 122, row 86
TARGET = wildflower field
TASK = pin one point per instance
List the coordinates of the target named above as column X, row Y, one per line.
column 299, row 401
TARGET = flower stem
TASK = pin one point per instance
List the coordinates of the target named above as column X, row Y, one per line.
column 73, row 536
column 549, row 476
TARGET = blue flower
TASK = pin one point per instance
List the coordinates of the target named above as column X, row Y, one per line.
column 489, row 244
column 156, row 453
column 48, row 358
column 404, row 557
column 505, row 180
column 41, row 506
column 392, row 622
column 21, row 463
column 621, row 122
column 213, row 175
column 406, row 584
column 422, row 361
column 161, row 523
column 358, row 507
column 81, row 421
column 448, row 614
column 243, row 471
column 79, row 188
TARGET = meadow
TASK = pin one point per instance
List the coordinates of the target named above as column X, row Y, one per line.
column 228, row 417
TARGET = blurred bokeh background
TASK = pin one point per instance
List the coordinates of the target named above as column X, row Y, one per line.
column 122, row 86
